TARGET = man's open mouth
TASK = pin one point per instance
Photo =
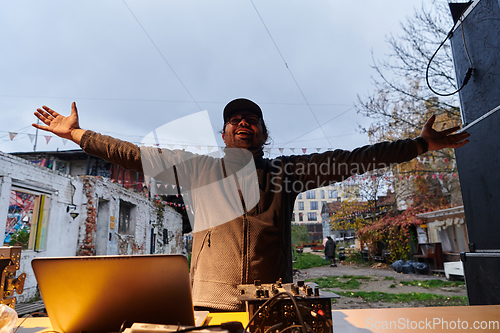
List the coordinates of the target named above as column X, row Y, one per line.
column 243, row 132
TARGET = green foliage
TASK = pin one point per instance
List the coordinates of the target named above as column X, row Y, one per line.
column 394, row 230
column 308, row 260
column 390, row 278
column 342, row 282
column 436, row 300
column 356, row 258
column 434, row 283
column 20, row 237
column 300, row 236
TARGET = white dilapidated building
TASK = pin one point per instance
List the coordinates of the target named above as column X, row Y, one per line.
column 35, row 207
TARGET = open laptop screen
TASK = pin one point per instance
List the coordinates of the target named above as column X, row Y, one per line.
column 97, row 294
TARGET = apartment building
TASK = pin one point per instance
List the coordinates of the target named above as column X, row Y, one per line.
column 308, row 205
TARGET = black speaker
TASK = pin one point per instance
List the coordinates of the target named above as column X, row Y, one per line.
column 478, row 34
column 476, row 39
column 482, row 270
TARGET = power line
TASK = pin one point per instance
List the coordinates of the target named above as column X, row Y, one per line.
column 290, row 71
column 161, row 54
column 162, row 100
column 326, row 122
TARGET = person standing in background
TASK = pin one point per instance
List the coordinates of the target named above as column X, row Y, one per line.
column 330, row 251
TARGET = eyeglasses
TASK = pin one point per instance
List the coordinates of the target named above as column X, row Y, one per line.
column 252, row 120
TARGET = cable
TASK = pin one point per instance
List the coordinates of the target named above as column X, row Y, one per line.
column 467, row 75
column 326, row 122
column 161, row 54
column 290, row 71
column 29, row 316
column 231, row 326
column 270, row 302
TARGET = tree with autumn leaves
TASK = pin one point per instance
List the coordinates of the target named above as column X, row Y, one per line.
column 400, row 105
column 393, row 229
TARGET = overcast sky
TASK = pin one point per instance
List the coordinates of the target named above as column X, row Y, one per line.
column 132, row 66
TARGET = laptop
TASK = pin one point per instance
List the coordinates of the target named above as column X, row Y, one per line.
column 100, row 293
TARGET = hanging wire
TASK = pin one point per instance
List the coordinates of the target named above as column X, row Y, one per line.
column 161, row 54
column 467, row 75
column 290, row 71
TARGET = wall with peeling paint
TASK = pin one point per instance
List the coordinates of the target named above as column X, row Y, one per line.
column 96, row 229
column 100, row 229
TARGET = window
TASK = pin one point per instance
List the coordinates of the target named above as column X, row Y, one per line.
column 299, row 196
column 314, row 205
column 322, row 194
column 311, row 194
column 27, row 220
column 311, row 216
column 293, row 217
column 332, row 194
column 301, row 205
column 165, row 236
column 126, row 224
column 301, row 217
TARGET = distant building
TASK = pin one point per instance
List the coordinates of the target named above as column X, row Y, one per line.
column 307, row 209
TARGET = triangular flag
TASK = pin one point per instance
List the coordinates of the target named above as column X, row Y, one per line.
column 304, row 150
column 184, row 147
column 210, row 148
column 330, row 149
column 293, row 150
column 318, row 149
column 434, row 176
column 158, row 185
column 32, row 137
column 281, row 150
column 47, row 138
column 425, row 176
column 170, row 146
column 198, row 147
column 12, row 135
column 64, row 141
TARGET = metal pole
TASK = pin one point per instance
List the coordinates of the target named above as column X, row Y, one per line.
column 36, row 135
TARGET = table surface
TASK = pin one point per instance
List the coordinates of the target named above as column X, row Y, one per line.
column 485, row 318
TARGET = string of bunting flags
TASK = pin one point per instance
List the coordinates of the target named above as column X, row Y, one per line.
column 406, row 176
column 200, row 148
column 293, row 150
column 12, row 135
column 445, row 175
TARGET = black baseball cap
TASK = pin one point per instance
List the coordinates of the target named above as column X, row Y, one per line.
column 241, row 104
